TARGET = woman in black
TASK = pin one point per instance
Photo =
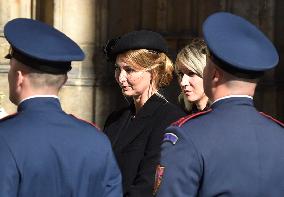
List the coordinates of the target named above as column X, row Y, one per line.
column 136, row 131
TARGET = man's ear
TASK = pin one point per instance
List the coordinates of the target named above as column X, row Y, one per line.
column 217, row 75
column 20, row 77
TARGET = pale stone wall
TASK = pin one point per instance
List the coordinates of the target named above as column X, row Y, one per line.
column 74, row 18
column 9, row 9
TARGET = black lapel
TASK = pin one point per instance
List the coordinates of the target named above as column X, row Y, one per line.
column 142, row 120
column 115, row 129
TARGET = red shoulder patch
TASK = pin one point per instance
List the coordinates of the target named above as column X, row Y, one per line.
column 8, row 116
column 184, row 119
column 273, row 119
column 91, row 123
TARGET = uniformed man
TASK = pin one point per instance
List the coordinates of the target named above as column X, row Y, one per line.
column 232, row 150
column 45, row 152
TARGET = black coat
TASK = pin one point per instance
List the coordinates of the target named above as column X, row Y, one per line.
column 136, row 142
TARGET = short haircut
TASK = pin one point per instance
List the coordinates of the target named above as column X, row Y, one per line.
column 40, row 79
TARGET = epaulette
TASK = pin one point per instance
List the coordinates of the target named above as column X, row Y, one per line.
column 184, row 119
column 8, row 116
column 273, row 119
column 91, row 123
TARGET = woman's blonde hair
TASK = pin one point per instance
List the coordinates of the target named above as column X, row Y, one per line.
column 158, row 64
column 193, row 56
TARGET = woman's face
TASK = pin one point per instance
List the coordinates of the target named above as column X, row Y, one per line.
column 191, row 84
column 133, row 82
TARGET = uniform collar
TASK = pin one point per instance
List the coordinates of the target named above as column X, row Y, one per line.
column 39, row 95
column 40, row 103
column 233, row 96
column 233, row 99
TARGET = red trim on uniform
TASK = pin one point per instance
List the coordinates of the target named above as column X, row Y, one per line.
column 271, row 118
column 158, row 178
column 184, row 119
column 91, row 123
column 176, row 123
column 9, row 116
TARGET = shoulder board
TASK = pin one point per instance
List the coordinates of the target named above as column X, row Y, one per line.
column 273, row 119
column 91, row 123
column 184, row 119
column 8, row 116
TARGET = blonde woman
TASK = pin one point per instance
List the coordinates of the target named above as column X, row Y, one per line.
column 136, row 131
column 189, row 66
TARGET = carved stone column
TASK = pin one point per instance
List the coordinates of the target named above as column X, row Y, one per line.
column 76, row 19
column 9, row 9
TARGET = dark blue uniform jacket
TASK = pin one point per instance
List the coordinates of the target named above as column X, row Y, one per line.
column 46, row 153
column 231, row 151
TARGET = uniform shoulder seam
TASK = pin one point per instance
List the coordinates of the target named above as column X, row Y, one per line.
column 8, row 116
column 90, row 123
column 184, row 119
column 273, row 119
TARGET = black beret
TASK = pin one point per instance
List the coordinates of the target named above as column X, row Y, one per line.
column 142, row 39
column 41, row 46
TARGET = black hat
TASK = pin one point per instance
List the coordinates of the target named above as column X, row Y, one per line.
column 238, row 46
column 41, row 46
column 142, row 39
